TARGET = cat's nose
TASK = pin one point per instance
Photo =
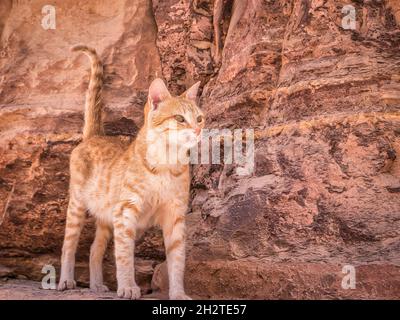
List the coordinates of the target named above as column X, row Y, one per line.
column 197, row 131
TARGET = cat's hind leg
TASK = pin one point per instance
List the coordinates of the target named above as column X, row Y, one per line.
column 97, row 250
column 75, row 219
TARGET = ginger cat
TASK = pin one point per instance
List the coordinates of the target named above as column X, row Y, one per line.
column 128, row 187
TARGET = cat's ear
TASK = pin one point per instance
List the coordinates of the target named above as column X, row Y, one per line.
column 158, row 92
column 192, row 92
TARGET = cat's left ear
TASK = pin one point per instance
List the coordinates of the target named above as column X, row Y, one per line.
column 158, row 92
column 192, row 92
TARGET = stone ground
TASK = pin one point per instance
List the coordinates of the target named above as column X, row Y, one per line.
column 14, row 289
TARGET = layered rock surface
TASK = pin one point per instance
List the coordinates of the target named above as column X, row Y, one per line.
column 324, row 105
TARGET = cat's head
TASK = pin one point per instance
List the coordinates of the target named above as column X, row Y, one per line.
column 177, row 118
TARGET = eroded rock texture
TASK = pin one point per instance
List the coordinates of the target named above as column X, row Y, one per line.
column 323, row 101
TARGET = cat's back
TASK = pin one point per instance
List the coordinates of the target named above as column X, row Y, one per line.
column 95, row 152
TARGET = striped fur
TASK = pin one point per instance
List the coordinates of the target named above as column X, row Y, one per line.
column 128, row 189
column 94, row 103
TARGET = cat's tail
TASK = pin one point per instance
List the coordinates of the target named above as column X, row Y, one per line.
column 94, row 103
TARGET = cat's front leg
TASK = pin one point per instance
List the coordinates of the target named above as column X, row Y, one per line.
column 174, row 240
column 125, row 221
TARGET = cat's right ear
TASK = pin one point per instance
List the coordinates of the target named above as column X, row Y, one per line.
column 158, row 92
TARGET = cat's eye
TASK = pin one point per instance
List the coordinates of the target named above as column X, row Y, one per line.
column 179, row 118
column 199, row 119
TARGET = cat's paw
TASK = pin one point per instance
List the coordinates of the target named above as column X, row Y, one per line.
column 132, row 293
column 99, row 288
column 179, row 296
column 66, row 285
